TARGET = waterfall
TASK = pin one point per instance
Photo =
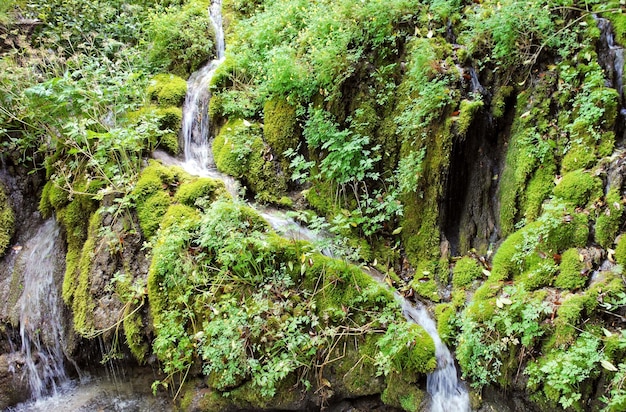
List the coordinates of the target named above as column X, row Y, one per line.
column 447, row 393
column 195, row 127
column 443, row 386
column 40, row 317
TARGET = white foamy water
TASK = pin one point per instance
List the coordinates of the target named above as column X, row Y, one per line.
column 40, row 317
column 448, row 394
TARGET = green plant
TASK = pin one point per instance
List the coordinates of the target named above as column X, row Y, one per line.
column 181, row 38
column 561, row 373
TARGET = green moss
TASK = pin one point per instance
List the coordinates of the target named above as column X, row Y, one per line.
column 134, row 333
column 82, row 303
column 155, row 177
column 151, row 211
column 540, row 274
column 572, row 232
column 498, row 102
column 203, row 188
column 445, row 314
column 569, row 314
column 578, row 188
column 468, row 110
column 170, row 118
column 167, row 90
column 570, row 276
column 177, row 215
column 169, row 143
column 484, row 308
column 504, row 265
column 465, row 271
column 281, row 128
column 579, row 156
column 539, row 188
column 620, row 251
column 240, row 151
column 75, row 218
column 402, row 394
column 7, row 220
column 610, row 219
column 421, row 234
column 529, row 149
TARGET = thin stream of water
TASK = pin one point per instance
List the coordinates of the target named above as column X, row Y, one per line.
column 41, row 320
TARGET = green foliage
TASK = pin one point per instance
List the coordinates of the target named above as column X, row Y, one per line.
column 348, row 158
column 396, row 356
column 167, row 90
column 7, row 220
column 465, row 271
column 181, row 39
column 570, row 276
column 514, row 36
column 561, row 373
column 410, row 171
column 578, row 188
column 616, row 400
column 516, row 323
column 214, row 278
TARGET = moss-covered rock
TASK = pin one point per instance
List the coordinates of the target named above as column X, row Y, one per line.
column 610, row 218
column 570, row 271
column 7, row 220
column 167, row 90
column 281, row 130
column 465, row 271
column 239, row 150
column 467, row 111
column 202, row 188
column 578, row 188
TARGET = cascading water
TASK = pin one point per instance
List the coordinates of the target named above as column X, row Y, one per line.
column 611, row 58
column 448, row 394
column 40, row 317
column 195, row 127
column 443, row 386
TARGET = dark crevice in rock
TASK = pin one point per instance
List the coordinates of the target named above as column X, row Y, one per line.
column 470, row 206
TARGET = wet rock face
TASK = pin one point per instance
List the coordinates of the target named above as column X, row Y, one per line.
column 14, row 389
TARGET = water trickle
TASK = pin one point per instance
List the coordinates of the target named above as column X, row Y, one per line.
column 195, row 127
column 611, row 58
column 448, row 394
column 40, row 317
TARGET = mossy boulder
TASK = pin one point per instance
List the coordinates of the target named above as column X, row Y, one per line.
column 465, row 271
column 610, row 218
column 167, row 90
column 570, row 271
column 153, row 194
column 202, row 188
column 578, row 188
column 240, row 151
column 7, row 220
column 281, row 130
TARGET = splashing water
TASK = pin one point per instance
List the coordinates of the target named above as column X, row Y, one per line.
column 41, row 326
column 447, row 393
